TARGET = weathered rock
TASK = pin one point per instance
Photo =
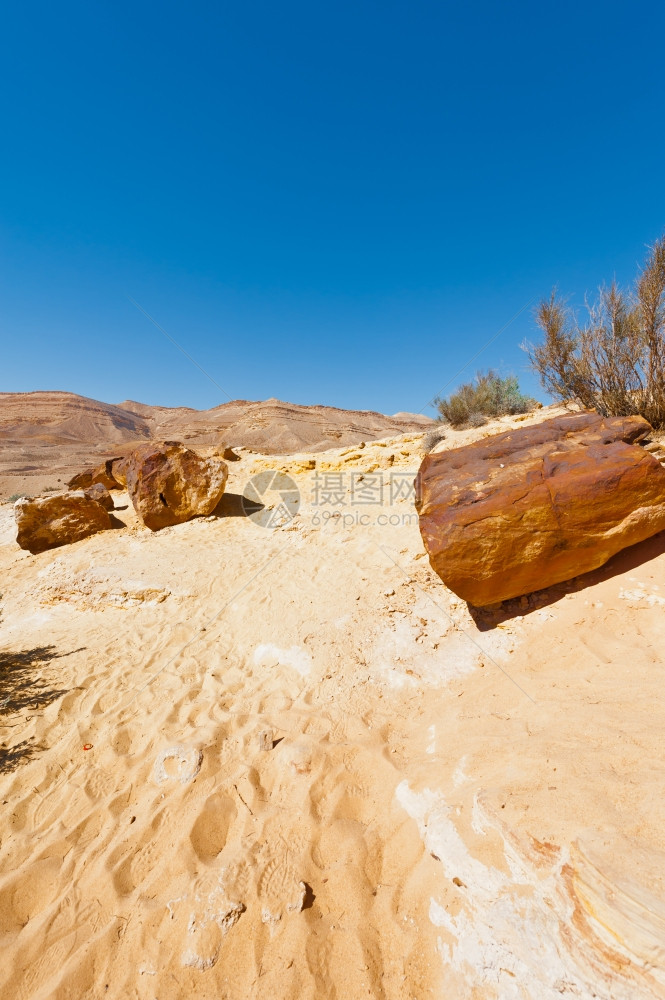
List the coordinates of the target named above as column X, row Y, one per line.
column 538, row 505
column 101, row 495
column 102, row 474
column 81, row 480
column 119, row 468
column 47, row 522
column 170, row 484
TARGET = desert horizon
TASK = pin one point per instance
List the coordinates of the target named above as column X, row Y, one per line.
column 84, row 430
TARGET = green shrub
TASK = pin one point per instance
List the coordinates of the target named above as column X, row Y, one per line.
column 15, row 496
column 488, row 395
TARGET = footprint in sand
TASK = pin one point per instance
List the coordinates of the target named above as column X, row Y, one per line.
column 136, row 868
column 41, row 959
column 211, row 828
column 127, row 740
column 209, row 916
column 99, row 783
column 280, row 890
column 24, row 897
column 236, row 878
column 178, row 763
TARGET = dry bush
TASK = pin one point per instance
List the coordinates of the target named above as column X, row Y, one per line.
column 432, row 438
column 488, row 395
column 476, row 420
column 615, row 363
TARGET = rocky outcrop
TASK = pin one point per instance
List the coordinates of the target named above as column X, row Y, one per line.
column 169, row 484
column 47, row 522
column 532, row 507
column 102, row 474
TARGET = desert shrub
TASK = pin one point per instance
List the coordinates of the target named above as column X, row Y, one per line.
column 615, row 362
column 476, row 420
column 15, row 496
column 488, row 395
column 432, row 438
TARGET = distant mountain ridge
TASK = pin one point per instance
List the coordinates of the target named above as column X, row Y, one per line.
column 64, row 417
column 269, row 426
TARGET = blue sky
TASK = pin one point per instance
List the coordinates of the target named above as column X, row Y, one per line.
column 328, row 203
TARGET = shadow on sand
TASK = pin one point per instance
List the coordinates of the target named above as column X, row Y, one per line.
column 623, row 562
column 23, row 687
column 236, row 505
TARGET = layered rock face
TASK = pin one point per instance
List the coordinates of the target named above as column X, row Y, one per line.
column 539, row 505
column 47, row 522
column 169, row 484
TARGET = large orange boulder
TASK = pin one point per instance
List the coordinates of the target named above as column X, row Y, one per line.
column 47, row 522
column 538, row 505
column 169, row 484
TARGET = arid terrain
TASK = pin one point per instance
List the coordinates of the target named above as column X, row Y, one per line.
column 457, row 804
column 46, row 437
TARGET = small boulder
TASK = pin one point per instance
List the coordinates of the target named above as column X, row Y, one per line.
column 47, row 522
column 538, row 505
column 81, row 480
column 169, row 484
column 102, row 474
column 101, row 495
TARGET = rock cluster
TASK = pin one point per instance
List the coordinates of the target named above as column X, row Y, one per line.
column 535, row 506
column 167, row 483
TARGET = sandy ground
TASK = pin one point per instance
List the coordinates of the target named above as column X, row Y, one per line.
column 454, row 806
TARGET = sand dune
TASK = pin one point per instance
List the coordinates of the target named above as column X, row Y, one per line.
column 455, row 805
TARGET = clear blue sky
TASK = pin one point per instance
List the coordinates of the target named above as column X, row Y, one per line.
column 324, row 202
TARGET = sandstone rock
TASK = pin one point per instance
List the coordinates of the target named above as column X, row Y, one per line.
column 170, row 484
column 101, row 495
column 102, row 474
column 119, row 468
column 81, row 480
column 47, row 522
column 538, row 505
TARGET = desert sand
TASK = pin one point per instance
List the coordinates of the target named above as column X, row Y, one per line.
column 455, row 805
